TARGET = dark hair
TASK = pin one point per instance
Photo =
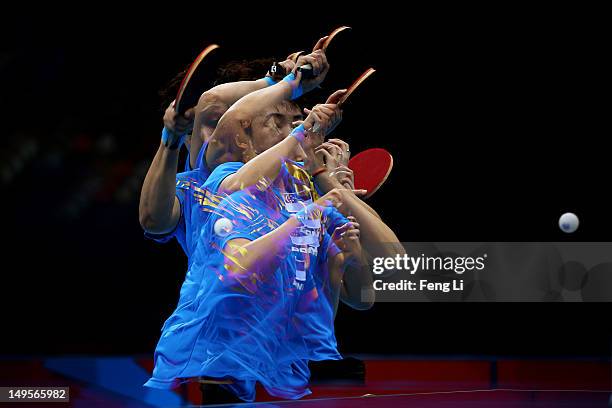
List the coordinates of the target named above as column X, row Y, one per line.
column 232, row 71
column 243, row 70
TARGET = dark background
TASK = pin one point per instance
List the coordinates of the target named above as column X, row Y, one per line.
column 495, row 118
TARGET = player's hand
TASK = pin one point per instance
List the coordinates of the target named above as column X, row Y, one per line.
column 176, row 123
column 344, row 175
column 312, row 161
column 320, row 68
column 322, row 119
column 346, row 238
column 289, row 64
column 333, row 153
column 318, row 60
column 344, row 150
column 286, row 66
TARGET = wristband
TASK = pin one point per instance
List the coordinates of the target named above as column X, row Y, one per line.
column 297, row 91
column 171, row 140
column 299, row 133
column 277, row 71
column 270, row 80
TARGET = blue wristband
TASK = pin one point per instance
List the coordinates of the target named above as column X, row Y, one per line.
column 297, row 91
column 270, row 81
column 171, row 140
column 299, row 133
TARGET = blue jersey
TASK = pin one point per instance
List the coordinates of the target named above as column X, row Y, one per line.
column 199, row 160
column 191, row 197
column 264, row 326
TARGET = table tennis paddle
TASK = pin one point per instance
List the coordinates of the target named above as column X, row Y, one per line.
column 189, row 93
column 370, row 169
column 306, row 69
column 356, row 84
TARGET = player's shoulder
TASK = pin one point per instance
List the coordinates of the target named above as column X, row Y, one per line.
column 228, row 166
column 221, row 172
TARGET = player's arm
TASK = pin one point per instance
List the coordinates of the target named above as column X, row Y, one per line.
column 377, row 238
column 238, row 118
column 229, row 93
column 217, row 100
column 244, row 257
column 356, row 276
column 253, row 103
column 339, row 177
column 267, row 164
column 328, row 162
column 159, row 208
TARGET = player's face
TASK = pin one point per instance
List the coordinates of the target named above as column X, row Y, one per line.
column 272, row 127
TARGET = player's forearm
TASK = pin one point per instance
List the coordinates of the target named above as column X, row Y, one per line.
column 356, row 280
column 157, row 198
column 377, row 239
column 263, row 168
column 229, row 93
column 255, row 103
column 239, row 116
column 256, row 256
column 326, row 183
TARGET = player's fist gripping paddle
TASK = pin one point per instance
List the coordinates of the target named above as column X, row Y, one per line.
column 308, row 70
column 279, row 70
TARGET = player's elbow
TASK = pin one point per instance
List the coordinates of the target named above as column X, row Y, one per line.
column 150, row 223
column 209, row 97
column 147, row 222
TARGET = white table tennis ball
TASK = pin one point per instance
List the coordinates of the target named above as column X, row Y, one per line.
column 223, row 227
column 568, row 222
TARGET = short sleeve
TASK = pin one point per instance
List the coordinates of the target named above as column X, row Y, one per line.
column 184, row 183
column 238, row 215
column 179, row 228
column 213, row 182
